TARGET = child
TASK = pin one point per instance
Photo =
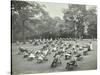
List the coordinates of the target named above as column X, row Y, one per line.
column 90, row 46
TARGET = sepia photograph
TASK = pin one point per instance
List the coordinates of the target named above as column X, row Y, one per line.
column 52, row 37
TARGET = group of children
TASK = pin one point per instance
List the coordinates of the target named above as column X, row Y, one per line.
column 70, row 51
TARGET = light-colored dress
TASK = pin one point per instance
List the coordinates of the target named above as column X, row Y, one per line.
column 91, row 47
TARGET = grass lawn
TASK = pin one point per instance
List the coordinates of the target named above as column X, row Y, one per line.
column 21, row 65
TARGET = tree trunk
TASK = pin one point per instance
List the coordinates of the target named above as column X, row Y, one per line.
column 75, row 31
column 23, row 32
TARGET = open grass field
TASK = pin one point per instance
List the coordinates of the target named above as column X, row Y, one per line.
column 20, row 65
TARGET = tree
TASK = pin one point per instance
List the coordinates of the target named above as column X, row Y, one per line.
column 16, row 8
column 29, row 13
column 91, row 18
column 74, row 17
